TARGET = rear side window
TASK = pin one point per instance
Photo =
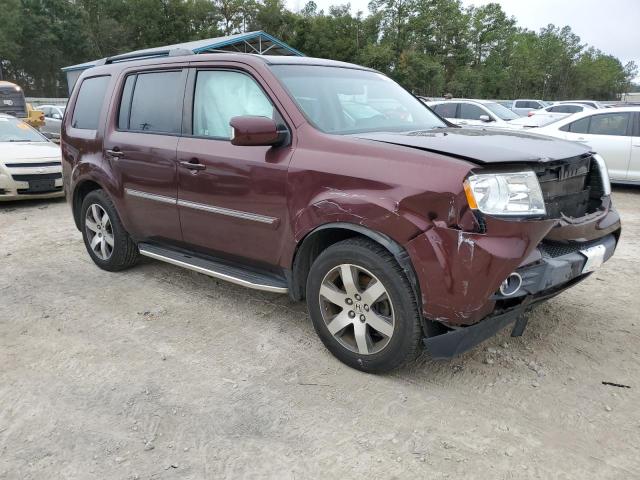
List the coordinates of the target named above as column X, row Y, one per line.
column 579, row 126
column 609, row 124
column 470, row 112
column 152, row 102
column 446, row 110
column 89, row 103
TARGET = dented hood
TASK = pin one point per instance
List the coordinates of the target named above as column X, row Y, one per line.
column 484, row 145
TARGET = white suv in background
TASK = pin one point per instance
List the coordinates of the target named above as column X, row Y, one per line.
column 30, row 165
column 463, row 111
column 612, row 132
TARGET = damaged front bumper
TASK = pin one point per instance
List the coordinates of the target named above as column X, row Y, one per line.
column 460, row 273
column 556, row 270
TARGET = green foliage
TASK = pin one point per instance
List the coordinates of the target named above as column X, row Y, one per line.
column 431, row 47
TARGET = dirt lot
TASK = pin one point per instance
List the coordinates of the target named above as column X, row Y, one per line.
column 159, row 373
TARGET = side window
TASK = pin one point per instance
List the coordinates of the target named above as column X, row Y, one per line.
column 558, row 109
column 579, row 126
column 470, row 112
column 609, row 124
column 222, row 95
column 156, row 103
column 446, row 110
column 86, row 113
column 125, row 103
column 573, row 108
column 534, row 105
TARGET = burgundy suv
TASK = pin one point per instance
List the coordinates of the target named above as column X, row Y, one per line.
column 329, row 182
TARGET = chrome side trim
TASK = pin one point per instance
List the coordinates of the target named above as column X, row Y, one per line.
column 150, row 196
column 212, row 273
column 255, row 217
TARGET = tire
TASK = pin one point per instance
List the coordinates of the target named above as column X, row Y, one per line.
column 123, row 253
column 368, row 263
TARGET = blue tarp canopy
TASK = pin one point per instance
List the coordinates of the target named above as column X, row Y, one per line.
column 258, row 42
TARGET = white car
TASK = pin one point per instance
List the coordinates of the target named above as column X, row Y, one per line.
column 614, row 133
column 522, row 107
column 30, row 165
column 546, row 115
column 591, row 103
column 474, row 112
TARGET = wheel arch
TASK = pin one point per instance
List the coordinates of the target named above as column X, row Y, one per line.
column 322, row 237
column 81, row 190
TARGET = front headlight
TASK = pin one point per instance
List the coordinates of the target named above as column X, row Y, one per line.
column 511, row 193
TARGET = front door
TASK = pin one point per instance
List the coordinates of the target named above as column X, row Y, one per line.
column 608, row 134
column 633, row 173
column 142, row 152
column 234, row 201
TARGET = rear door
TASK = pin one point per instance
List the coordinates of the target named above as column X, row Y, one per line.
column 140, row 145
column 233, row 202
column 608, row 134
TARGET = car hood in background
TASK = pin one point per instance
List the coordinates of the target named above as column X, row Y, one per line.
column 484, row 145
column 28, row 151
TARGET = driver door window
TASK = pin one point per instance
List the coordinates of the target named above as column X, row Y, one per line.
column 222, row 95
column 471, row 113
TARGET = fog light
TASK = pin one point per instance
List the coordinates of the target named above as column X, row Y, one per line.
column 511, row 285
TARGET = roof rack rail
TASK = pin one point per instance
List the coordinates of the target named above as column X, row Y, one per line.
column 175, row 52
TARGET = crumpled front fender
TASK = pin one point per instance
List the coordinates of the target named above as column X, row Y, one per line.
column 458, row 271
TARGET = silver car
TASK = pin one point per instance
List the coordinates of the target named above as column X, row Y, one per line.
column 53, row 119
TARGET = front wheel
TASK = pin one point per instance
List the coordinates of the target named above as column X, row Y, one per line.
column 362, row 306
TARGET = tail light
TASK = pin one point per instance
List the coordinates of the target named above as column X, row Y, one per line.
column 530, row 113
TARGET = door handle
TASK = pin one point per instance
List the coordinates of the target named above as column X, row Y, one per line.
column 193, row 164
column 114, row 153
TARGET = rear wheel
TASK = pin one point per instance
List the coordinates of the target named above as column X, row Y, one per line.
column 107, row 242
column 362, row 306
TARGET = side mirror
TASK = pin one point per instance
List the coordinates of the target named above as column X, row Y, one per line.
column 485, row 118
column 250, row 131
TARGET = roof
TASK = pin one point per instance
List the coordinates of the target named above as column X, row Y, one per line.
column 251, row 42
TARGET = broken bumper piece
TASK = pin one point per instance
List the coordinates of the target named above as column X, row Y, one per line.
column 556, row 271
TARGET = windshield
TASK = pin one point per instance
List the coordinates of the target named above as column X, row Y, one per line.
column 14, row 130
column 346, row 100
column 501, row 111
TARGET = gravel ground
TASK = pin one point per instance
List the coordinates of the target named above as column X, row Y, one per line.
column 161, row 373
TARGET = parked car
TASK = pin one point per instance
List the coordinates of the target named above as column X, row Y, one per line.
column 613, row 132
column 523, row 107
column 30, row 165
column 474, row 112
column 544, row 116
column 395, row 227
column 12, row 102
column 53, row 119
column 505, row 103
column 592, row 103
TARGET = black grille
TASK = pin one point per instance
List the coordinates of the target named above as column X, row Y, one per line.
column 35, row 176
column 33, row 165
column 571, row 187
column 32, row 191
column 558, row 249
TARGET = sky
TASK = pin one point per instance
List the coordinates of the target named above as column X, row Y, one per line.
column 612, row 26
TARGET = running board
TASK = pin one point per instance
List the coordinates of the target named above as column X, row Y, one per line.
column 267, row 281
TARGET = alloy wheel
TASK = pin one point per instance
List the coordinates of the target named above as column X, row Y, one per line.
column 99, row 231
column 357, row 309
